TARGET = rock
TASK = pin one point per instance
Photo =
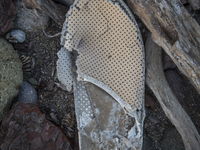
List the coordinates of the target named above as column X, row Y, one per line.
column 27, row 20
column 7, row 15
column 19, row 35
column 26, row 128
column 11, row 76
column 167, row 62
column 27, row 93
column 172, row 140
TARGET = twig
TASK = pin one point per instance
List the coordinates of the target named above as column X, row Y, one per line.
column 51, row 36
column 40, row 20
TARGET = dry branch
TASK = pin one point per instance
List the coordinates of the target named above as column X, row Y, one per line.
column 175, row 31
column 155, row 79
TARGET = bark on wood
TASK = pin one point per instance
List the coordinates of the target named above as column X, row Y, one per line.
column 155, row 79
column 175, row 31
column 48, row 7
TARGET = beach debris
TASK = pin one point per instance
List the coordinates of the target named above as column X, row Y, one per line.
column 27, row 93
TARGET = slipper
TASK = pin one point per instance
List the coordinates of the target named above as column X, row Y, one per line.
column 107, row 73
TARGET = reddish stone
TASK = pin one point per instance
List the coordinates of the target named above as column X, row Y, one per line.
column 26, row 128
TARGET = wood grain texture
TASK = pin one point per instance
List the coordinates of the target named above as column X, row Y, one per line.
column 155, row 79
column 174, row 29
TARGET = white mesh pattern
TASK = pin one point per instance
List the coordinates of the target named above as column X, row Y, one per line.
column 64, row 68
column 82, row 101
column 110, row 48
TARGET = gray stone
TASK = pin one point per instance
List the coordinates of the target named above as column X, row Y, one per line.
column 11, row 76
column 26, row 128
column 27, row 93
column 19, row 35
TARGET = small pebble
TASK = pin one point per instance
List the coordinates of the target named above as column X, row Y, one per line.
column 153, row 119
column 54, row 118
column 27, row 93
column 19, row 35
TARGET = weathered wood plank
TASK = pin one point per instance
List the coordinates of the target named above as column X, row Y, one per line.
column 175, row 31
column 155, row 79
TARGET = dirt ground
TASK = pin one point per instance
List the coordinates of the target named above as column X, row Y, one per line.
column 58, row 105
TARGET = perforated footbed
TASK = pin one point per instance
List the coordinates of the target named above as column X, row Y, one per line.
column 111, row 53
column 64, row 68
column 82, row 101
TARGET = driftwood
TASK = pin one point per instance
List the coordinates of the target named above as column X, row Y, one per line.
column 155, row 79
column 48, row 7
column 175, row 31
